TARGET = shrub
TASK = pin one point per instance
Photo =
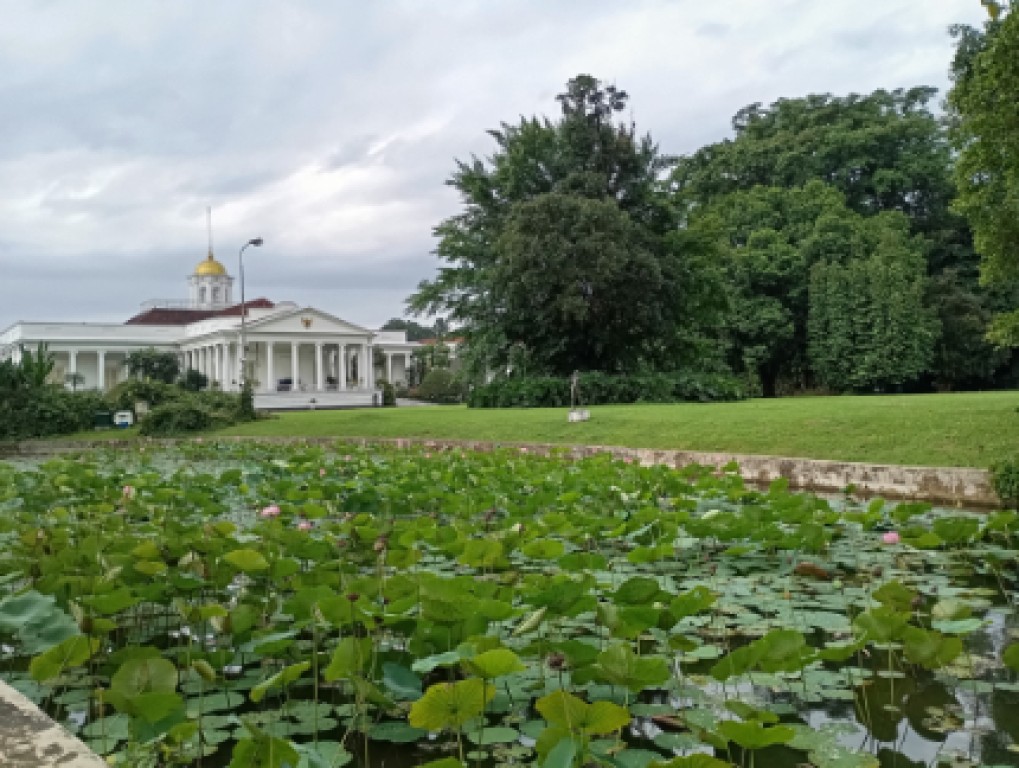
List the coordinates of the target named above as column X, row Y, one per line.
column 193, row 380
column 246, row 404
column 123, row 396
column 177, row 417
column 388, row 394
column 601, row 388
column 441, row 385
column 1005, row 481
column 47, row 411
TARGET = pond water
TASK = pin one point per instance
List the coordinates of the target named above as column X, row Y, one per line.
column 239, row 599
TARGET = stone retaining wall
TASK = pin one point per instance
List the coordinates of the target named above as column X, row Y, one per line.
column 29, row 739
column 953, row 486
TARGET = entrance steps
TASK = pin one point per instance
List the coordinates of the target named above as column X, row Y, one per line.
column 307, row 401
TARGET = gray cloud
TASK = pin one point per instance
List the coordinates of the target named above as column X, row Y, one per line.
column 329, row 128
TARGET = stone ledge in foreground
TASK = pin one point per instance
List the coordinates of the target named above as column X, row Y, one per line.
column 950, row 486
column 30, row 739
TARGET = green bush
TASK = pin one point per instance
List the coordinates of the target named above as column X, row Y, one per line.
column 123, row 396
column 47, row 411
column 388, row 394
column 192, row 412
column 600, row 389
column 179, row 417
column 1005, row 481
column 441, row 385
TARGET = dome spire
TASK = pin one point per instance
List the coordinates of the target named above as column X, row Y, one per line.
column 208, row 221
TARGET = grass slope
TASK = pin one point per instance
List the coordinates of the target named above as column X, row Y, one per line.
column 959, row 429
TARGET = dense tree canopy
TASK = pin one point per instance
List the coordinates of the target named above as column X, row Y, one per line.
column 567, row 250
column 821, row 246
column 415, row 331
column 796, row 186
column 985, row 101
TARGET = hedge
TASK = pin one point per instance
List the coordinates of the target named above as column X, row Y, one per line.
column 601, row 389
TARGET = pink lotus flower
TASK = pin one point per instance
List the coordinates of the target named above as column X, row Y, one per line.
column 428, row 455
column 305, row 525
column 523, row 450
column 890, row 538
column 321, row 472
column 271, row 511
column 129, row 491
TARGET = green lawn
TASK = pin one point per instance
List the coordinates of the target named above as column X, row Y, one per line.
column 964, row 429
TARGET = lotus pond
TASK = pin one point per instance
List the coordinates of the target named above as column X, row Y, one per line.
column 258, row 606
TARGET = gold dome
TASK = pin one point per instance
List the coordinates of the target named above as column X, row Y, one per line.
column 209, row 266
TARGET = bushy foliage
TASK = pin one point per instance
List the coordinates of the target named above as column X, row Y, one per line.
column 868, row 324
column 441, row 385
column 1005, row 480
column 193, row 380
column 246, row 403
column 152, row 364
column 30, row 407
column 125, row 394
column 46, row 411
column 600, row 389
column 178, row 417
column 388, row 394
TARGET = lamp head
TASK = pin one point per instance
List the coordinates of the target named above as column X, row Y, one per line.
column 255, row 241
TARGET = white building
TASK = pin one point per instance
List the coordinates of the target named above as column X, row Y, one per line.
column 290, row 349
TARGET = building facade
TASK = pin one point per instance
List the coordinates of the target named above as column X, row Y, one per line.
column 289, row 349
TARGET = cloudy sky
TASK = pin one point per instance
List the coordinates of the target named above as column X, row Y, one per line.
column 328, row 127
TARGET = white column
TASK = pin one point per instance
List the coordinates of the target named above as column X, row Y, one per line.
column 101, row 369
column 320, row 379
column 343, row 367
column 369, row 371
column 228, row 367
column 72, row 361
column 389, row 367
column 294, row 367
column 270, row 376
column 362, row 366
column 406, row 368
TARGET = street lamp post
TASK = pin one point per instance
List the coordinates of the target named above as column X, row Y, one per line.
column 257, row 242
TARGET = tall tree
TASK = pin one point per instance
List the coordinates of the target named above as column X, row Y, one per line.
column 415, row 331
column 566, row 250
column 869, row 327
column 884, row 152
column 985, row 104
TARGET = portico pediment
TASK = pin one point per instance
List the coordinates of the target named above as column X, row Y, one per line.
column 306, row 321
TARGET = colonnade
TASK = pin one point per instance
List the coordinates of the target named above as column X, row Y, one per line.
column 333, row 365
column 220, row 363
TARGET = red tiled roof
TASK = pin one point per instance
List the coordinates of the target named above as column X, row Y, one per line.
column 172, row 316
column 235, row 310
